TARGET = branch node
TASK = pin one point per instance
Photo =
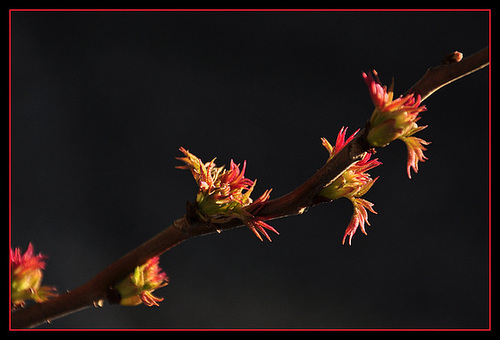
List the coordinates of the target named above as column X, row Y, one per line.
column 451, row 58
column 359, row 146
column 191, row 224
column 182, row 225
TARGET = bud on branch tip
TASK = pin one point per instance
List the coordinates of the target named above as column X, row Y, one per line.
column 395, row 119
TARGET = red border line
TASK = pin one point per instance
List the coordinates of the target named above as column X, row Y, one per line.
column 254, row 10
column 249, row 10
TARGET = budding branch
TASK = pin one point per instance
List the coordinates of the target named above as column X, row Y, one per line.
column 95, row 291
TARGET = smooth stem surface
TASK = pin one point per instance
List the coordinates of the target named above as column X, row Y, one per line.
column 442, row 75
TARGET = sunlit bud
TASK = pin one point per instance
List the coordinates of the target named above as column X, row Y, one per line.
column 224, row 194
column 395, row 119
column 26, row 277
column 353, row 183
column 138, row 287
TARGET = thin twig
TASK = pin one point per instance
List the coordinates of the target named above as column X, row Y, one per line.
column 296, row 202
column 451, row 69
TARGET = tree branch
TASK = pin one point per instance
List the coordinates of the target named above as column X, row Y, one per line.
column 296, row 202
column 452, row 68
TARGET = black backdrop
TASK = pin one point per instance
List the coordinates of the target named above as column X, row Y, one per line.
column 101, row 101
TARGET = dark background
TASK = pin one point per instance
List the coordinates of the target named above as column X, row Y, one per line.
column 101, row 102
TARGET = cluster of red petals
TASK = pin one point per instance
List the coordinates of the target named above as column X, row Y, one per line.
column 225, row 194
column 234, row 181
column 382, row 97
column 155, row 279
column 395, row 119
column 358, row 172
column 259, row 226
column 353, row 183
column 378, row 92
column 26, row 277
column 256, row 224
column 154, row 273
column 138, row 286
column 359, row 217
column 340, row 142
column 416, row 148
column 22, row 264
column 222, row 185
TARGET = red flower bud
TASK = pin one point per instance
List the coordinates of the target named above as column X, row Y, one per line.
column 353, row 183
column 26, row 277
column 395, row 119
column 225, row 194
